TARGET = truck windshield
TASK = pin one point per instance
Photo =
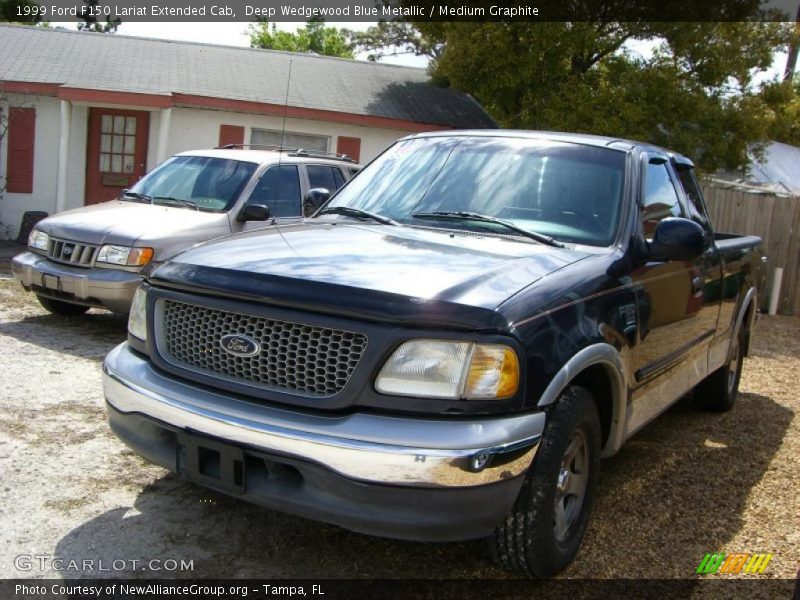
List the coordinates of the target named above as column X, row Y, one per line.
column 569, row 192
column 211, row 184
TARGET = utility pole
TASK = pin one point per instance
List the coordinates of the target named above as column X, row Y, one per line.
column 794, row 47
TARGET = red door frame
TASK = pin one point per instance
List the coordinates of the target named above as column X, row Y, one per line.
column 106, row 186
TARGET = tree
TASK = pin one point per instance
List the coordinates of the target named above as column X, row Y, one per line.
column 694, row 94
column 313, row 38
column 90, row 22
column 26, row 12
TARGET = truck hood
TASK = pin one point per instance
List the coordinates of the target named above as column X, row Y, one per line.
column 386, row 273
column 129, row 223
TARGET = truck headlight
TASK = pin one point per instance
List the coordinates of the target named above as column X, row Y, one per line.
column 444, row 369
column 137, row 320
column 38, row 240
column 124, row 256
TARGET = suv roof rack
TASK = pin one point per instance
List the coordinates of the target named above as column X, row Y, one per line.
column 291, row 150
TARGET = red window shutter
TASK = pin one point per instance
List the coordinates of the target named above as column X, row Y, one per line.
column 21, row 133
column 231, row 134
column 350, row 146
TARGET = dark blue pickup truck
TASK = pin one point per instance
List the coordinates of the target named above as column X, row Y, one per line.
column 446, row 349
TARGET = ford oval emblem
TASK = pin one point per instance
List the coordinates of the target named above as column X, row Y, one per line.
column 239, row 345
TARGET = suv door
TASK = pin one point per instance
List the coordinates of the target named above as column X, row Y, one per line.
column 279, row 190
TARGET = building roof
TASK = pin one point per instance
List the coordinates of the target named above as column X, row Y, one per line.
column 779, row 164
column 146, row 66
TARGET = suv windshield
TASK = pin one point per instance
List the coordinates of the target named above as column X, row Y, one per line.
column 569, row 192
column 209, row 183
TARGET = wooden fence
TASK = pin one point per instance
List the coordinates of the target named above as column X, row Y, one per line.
column 777, row 220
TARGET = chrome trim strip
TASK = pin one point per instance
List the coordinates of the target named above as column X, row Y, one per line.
column 421, row 452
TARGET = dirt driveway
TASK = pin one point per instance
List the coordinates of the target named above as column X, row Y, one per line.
column 689, row 484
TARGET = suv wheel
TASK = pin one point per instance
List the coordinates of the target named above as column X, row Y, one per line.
column 542, row 533
column 64, row 309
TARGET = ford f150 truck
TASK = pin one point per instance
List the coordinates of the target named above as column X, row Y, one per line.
column 445, row 350
column 92, row 256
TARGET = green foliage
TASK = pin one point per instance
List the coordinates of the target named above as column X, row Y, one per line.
column 693, row 95
column 10, row 12
column 90, row 22
column 314, row 38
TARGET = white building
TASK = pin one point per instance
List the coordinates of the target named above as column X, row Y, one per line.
column 91, row 113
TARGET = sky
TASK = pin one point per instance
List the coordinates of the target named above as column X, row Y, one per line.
column 235, row 34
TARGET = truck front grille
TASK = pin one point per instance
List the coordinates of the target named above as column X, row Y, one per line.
column 291, row 357
column 71, row 253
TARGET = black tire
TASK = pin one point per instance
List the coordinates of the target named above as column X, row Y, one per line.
column 530, row 540
column 718, row 391
column 63, row 309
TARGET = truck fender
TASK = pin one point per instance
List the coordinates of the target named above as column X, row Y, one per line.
column 596, row 354
column 749, row 299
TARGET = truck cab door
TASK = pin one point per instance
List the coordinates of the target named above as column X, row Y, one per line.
column 676, row 318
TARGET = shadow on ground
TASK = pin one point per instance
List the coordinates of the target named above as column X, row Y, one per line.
column 86, row 336
column 675, row 492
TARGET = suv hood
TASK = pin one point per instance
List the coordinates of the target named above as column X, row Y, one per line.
column 129, row 223
column 386, row 273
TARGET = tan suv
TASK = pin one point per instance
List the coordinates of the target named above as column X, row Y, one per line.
column 92, row 256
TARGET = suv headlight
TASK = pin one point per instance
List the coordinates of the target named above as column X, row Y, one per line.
column 124, row 256
column 38, row 240
column 444, row 369
column 137, row 320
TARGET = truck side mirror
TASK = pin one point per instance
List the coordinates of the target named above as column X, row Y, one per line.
column 254, row 212
column 677, row 239
column 314, row 199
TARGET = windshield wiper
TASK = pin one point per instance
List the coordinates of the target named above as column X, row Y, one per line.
column 139, row 196
column 187, row 203
column 471, row 216
column 349, row 211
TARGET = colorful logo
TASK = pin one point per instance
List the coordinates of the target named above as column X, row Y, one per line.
column 733, row 563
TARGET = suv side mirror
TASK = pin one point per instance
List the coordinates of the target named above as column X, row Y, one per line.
column 254, row 212
column 677, row 239
column 314, row 199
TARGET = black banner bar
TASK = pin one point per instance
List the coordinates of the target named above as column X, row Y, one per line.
column 410, row 10
column 400, row 589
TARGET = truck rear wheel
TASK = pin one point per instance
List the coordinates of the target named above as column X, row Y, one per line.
column 542, row 533
column 63, row 309
column 718, row 391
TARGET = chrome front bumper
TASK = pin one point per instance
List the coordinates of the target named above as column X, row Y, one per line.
column 110, row 288
column 407, row 451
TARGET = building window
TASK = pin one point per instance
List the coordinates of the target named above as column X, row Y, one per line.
column 117, row 144
column 316, row 143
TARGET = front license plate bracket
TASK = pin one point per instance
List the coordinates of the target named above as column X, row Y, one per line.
column 211, row 463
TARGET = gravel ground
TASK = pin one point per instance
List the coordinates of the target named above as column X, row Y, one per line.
column 690, row 483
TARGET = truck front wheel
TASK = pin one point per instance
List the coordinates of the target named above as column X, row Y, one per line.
column 542, row 533
column 63, row 309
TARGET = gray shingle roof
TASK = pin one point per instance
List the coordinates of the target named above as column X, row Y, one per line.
column 128, row 64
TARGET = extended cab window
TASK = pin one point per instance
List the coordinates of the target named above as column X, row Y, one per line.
column 279, row 190
column 660, row 198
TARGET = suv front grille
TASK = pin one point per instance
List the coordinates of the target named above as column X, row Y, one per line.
column 71, row 253
column 292, row 357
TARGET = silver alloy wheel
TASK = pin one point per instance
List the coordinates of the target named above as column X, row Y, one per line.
column 571, row 482
column 733, row 366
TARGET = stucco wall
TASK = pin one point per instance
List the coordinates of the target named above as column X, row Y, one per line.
column 192, row 128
